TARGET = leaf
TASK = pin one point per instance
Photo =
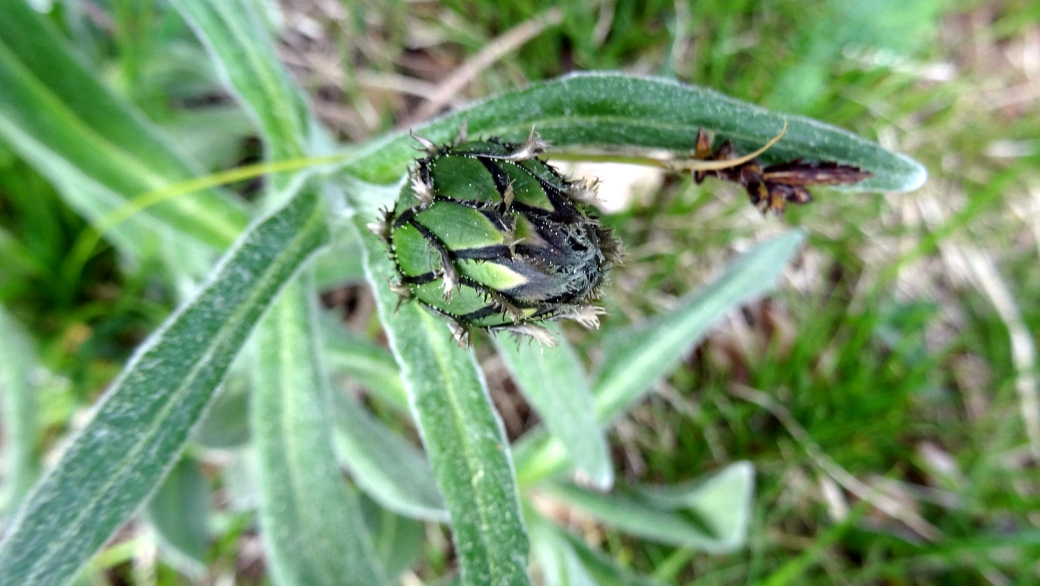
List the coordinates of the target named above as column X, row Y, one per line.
column 142, row 423
column 567, row 561
column 461, row 431
column 212, row 135
column 554, row 382
column 312, row 525
column 225, row 424
column 712, row 515
column 339, row 265
column 399, row 540
column 179, row 513
column 240, row 480
column 384, row 465
column 560, row 565
column 617, row 112
column 242, row 49
column 634, row 358
column 19, row 412
column 364, row 361
column 96, row 148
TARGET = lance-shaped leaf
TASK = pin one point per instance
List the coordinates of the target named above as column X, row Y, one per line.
column 364, row 361
column 601, row 112
column 566, row 560
column 241, row 47
column 312, row 524
column 179, row 513
column 18, row 412
column 634, row 358
column 97, row 149
column 554, row 382
column 399, row 540
column 710, row 514
column 460, row 429
column 225, row 425
column 141, row 425
column 389, row 469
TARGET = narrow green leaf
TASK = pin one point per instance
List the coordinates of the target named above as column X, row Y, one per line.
column 634, row 358
column 140, row 427
column 389, row 469
column 312, row 524
column 399, row 540
column 18, row 412
column 179, row 513
column 712, row 514
column 554, row 382
column 213, row 136
column 364, row 361
column 58, row 116
column 559, row 563
column 567, row 561
column 618, row 112
column 723, row 502
column 226, row 422
column 460, row 429
column 240, row 480
column 340, row 264
column 243, row 51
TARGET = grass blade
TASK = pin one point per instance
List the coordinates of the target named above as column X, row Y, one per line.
column 140, row 427
column 461, row 431
column 56, row 114
column 636, row 357
column 388, row 468
column 312, row 524
column 712, row 514
column 616, row 112
column 554, row 382
column 18, row 410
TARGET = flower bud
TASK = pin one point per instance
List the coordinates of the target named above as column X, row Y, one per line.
column 489, row 236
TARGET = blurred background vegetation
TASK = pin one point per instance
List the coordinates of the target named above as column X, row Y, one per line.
column 887, row 396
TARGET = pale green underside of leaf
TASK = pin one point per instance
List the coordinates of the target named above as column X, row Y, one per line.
column 710, row 514
column 461, row 432
column 554, row 383
column 399, row 540
column 636, row 357
column 56, row 114
column 179, row 514
column 241, row 48
column 616, row 111
column 141, row 425
column 18, row 413
column 391, row 471
column 225, row 425
column 363, row 361
column 566, row 560
column 311, row 520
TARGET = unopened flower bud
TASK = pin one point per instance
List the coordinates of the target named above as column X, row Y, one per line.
column 489, row 236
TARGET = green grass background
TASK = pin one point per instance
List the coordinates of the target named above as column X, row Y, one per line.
column 880, row 394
